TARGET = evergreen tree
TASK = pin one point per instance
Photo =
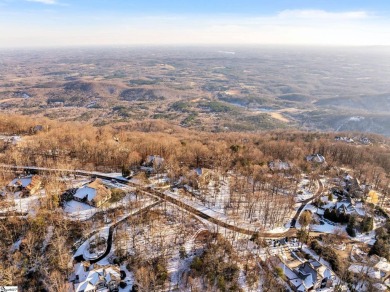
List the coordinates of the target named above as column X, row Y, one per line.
column 351, row 226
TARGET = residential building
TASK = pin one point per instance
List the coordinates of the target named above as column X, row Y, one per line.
column 96, row 278
column 317, row 158
column 309, row 275
column 94, row 194
column 28, row 185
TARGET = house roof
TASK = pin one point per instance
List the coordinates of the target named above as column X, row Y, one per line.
column 24, row 182
column 308, row 277
column 383, row 265
column 345, row 206
column 90, row 279
column 85, row 192
column 30, row 183
column 201, row 171
column 93, row 191
column 316, row 158
column 154, row 159
column 288, row 272
column 84, row 286
column 279, row 165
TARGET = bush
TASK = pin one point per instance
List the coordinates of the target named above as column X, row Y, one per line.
column 351, row 227
column 338, row 218
column 381, row 246
column 367, row 224
column 117, row 195
column 197, row 264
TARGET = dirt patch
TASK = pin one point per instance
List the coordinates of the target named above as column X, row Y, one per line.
column 280, row 117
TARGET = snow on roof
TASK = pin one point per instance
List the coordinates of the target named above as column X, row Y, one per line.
column 84, row 286
column 88, row 192
column 297, row 283
column 383, row 265
column 288, row 272
column 24, row 182
column 113, row 272
column 90, row 279
column 380, row 287
column 198, row 171
column 154, row 159
column 316, row 158
column 324, row 272
column 279, row 165
column 346, row 205
column 307, row 276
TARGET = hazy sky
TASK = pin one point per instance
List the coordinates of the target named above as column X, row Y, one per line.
column 127, row 22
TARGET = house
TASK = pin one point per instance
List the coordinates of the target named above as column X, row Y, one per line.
column 344, row 139
column 380, row 264
column 28, row 185
column 308, row 276
column 95, row 278
column 315, row 274
column 154, row 161
column 94, row 194
column 345, row 206
column 203, row 175
column 365, row 141
column 37, row 128
column 317, row 158
column 352, row 186
column 279, row 165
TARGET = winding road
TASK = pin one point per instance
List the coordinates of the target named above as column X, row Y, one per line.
column 164, row 197
column 81, row 258
column 290, row 232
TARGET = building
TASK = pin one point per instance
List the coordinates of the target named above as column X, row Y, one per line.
column 95, row 278
column 310, row 275
column 344, row 139
column 316, row 158
column 154, row 161
column 28, row 185
column 279, row 165
column 94, row 194
column 203, row 175
column 345, row 206
column 352, row 186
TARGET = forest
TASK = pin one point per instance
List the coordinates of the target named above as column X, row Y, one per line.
column 257, row 191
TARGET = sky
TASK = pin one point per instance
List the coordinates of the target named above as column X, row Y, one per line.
column 53, row 23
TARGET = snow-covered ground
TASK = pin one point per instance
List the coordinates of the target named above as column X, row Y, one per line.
column 327, row 228
column 103, row 232
column 368, row 238
column 23, row 204
column 305, row 190
column 80, row 211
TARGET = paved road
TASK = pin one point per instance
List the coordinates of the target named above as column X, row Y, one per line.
column 161, row 195
column 304, row 203
column 81, row 258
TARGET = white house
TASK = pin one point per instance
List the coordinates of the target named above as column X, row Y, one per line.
column 96, row 278
column 94, row 194
column 317, row 158
column 309, row 275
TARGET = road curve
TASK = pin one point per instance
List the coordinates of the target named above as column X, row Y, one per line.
column 81, row 258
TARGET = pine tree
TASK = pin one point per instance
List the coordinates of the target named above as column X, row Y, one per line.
column 351, row 226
